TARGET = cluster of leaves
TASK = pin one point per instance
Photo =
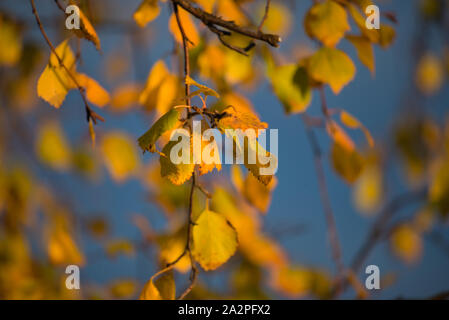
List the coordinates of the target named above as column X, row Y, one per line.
column 207, row 225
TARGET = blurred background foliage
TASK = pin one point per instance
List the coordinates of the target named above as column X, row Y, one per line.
column 76, row 193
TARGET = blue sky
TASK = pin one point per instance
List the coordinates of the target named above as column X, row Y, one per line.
column 376, row 101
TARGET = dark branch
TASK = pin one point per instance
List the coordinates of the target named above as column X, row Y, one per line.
column 212, row 20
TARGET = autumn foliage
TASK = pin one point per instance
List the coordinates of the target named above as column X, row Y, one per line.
column 210, row 216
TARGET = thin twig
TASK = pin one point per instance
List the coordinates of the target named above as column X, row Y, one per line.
column 186, row 53
column 328, row 212
column 89, row 112
column 259, row 28
column 203, row 190
column 194, row 270
column 220, row 34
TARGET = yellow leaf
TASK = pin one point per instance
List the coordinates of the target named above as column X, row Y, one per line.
column 439, row 186
column 120, row 155
column 233, row 118
column 214, row 240
column 176, row 173
column 147, row 11
column 229, row 10
column 210, row 158
column 365, row 51
column 172, row 246
column 235, row 99
column 123, row 289
column 150, row 292
column 327, row 22
column 187, row 24
column 333, row 67
column 294, row 281
column 348, row 163
column 87, row 31
column 54, row 83
column 168, row 92
column 258, row 194
column 339, row 135
column 262, row 250
column 207, row 5
column 372, row 35
column 61, row 247
column 237, row 178
column 160, row 90
column 258, row 248
column 290, row 83
column 387, row 36
column 368, row 190
column 125, row 97
column 52, row 146
column 239, row 69
column 167, row 122
column 279, row 18
column 119, row 246
column 406, row 243
column 429, row 74
column 202, row 88
column 94, row 92
column 351, row 122
column 211, row 62
column 263, row 172
column 162, row 288
column 10, row 42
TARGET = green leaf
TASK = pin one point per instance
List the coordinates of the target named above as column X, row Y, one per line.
column 167, row 122
column 291, row 85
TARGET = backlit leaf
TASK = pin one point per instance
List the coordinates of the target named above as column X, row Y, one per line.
column 176, row 173
column 368, row 190
column 202, row 88
column 214, row 240
column 347, row 163
column 167, row 122
column 327, row 21
column 52, row 146
column 429, row 74
column 161, row 288
column 187, row 24
column 233, row 118
column 87, row 31
column 365, row 51
column 147, row 11
column 120, row 155
column 290, row 83
column 351, row 122
column 331, row 66
column 95, row 93
column 54, row 83
column 10, row 42
column 406, row 243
